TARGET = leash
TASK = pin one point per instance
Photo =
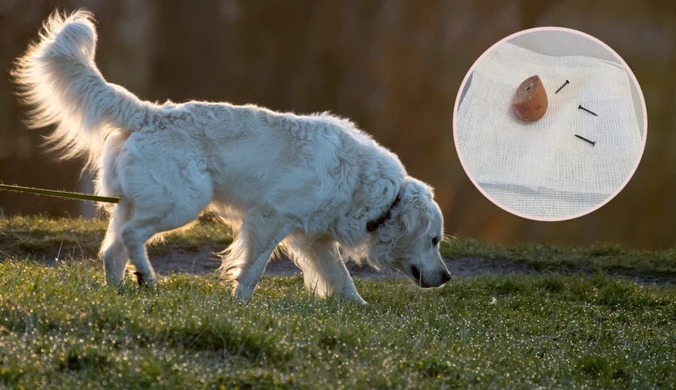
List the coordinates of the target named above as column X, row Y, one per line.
column 58, row 194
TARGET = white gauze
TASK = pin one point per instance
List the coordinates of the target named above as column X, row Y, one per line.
column 541, row 169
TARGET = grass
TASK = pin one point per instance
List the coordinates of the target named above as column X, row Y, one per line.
column 600, row 257
column 61, row 327
column 38, row 236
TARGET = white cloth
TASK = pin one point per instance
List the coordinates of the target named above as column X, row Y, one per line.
column 541, row 169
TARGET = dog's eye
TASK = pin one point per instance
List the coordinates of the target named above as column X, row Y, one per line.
column 435, row 241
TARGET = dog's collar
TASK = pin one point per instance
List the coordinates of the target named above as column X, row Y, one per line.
column 372, row 226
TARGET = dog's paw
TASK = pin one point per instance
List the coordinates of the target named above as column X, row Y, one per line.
column 242, row 293
column 355, row 299
column 146, row 280
column 351, row 295
column 114, row 281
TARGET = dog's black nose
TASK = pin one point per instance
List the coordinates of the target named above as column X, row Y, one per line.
column 445, row 277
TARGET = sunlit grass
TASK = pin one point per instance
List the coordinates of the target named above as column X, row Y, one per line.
column 599, row 257
column 78, row 238
column 62, row 327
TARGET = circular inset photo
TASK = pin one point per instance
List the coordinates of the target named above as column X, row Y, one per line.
column 550, row 124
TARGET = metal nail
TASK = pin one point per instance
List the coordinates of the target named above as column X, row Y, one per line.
column 584, row 139
column 584, row 109
column 561, row 87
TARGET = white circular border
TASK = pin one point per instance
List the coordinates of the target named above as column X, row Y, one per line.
column 643, row 107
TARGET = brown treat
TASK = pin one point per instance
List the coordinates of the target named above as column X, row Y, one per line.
column 530, row 101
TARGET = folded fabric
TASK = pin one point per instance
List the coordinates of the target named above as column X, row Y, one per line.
column 542, row 169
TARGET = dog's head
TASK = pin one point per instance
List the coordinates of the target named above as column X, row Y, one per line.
column 409, row 239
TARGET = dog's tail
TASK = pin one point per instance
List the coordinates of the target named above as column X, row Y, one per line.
column 58, row 78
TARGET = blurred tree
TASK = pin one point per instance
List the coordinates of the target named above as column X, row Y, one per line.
column 393, row 66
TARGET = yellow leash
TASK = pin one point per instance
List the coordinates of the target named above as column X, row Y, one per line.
column 58, row 194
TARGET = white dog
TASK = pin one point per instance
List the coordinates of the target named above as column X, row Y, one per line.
column 315, row 185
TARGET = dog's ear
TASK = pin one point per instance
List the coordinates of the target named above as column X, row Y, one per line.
column 413, row 210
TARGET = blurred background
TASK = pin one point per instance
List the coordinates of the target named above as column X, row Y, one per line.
column 392, row 66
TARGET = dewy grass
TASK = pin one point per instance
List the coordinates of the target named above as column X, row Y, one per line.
column 601, row 257
column 78, row 238
column 61, row 327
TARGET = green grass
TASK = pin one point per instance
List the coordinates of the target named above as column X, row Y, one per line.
column 78, row 238
column 61, row 327
column 600, row 257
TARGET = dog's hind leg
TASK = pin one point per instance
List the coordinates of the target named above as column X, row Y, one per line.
column 143, row 225
column 246, row 258
column 166, row 187
column 152, row 215
column 114, row 254
column 323, row 269
column 135, row 234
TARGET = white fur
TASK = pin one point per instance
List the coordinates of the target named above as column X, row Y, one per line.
column 310, row 183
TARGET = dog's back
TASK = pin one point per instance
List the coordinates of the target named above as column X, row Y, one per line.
column 313, row 181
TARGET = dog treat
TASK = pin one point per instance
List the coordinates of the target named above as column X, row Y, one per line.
column 530, row 100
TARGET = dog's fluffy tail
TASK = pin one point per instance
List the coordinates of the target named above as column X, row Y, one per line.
column 58, row 78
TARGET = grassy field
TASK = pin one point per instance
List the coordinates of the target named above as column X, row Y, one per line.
column 77, row 238
column 61, row 327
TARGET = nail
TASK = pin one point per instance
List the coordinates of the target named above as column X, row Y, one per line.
column 584, row 139
column 584, row 109
column 561, row 87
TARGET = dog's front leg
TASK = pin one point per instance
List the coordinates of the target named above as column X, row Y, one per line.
column 251, row 272
column 323, row 269
column 333, row 274
column 251, row 251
